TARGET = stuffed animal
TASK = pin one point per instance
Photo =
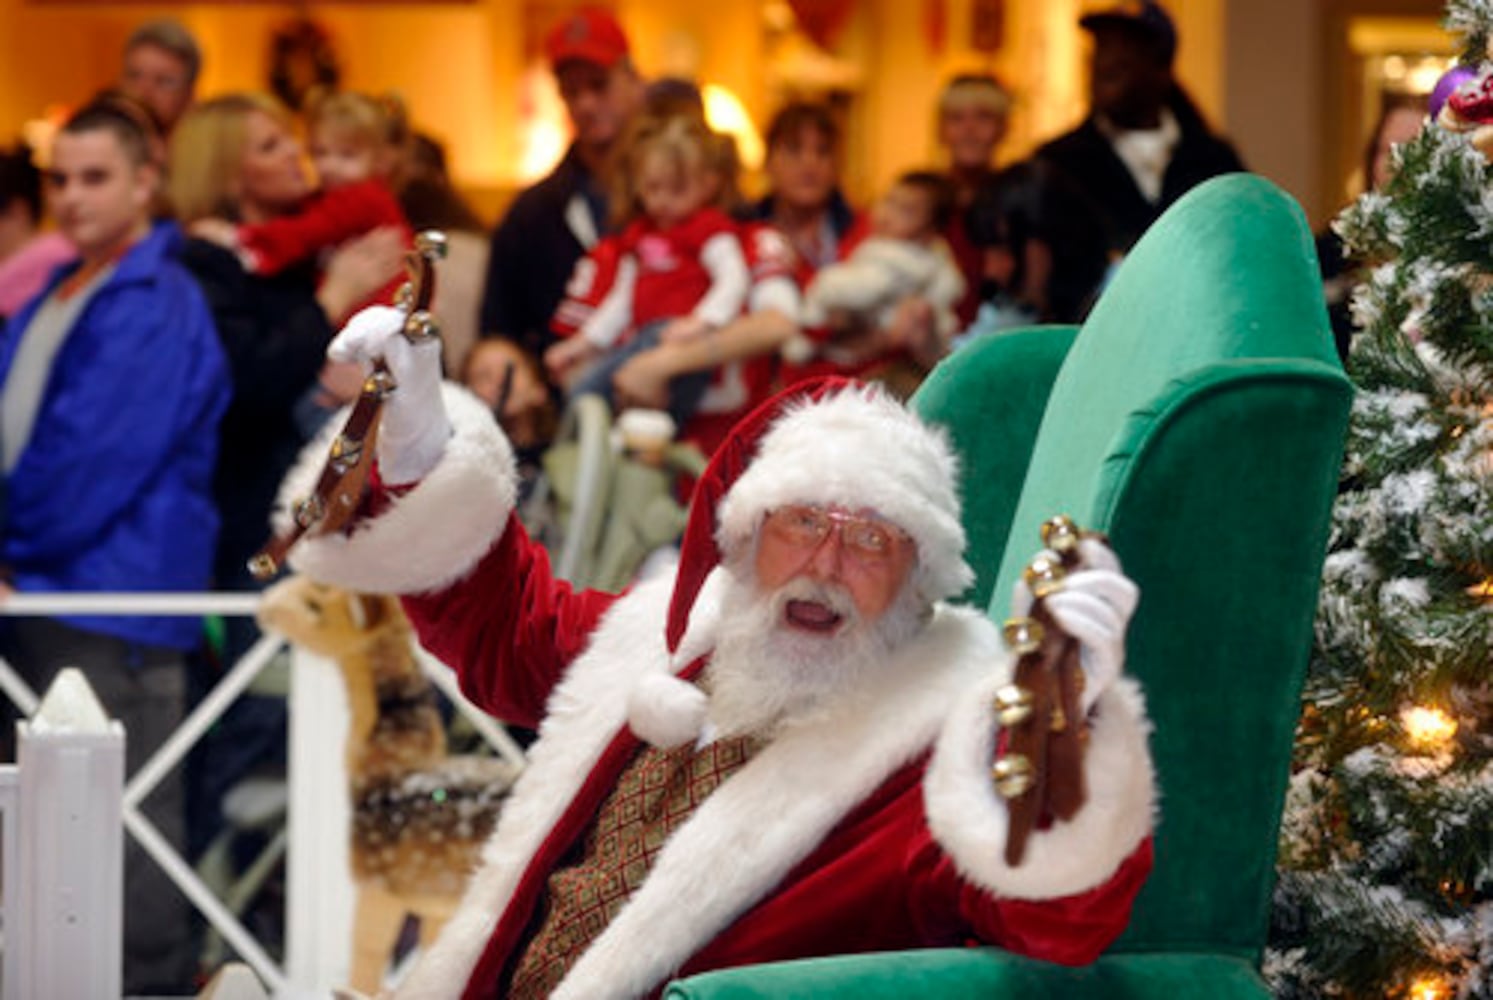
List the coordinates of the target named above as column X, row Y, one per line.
column 419, row 816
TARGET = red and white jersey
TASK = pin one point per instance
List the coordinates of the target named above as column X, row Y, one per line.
column 590, row 280
column 671, row 277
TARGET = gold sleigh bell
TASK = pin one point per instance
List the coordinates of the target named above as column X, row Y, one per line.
column 1012, row 775
column 1060, row 534
column 1044, row 575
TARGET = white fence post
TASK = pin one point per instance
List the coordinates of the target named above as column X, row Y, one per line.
column 320, row 896
column 66, row 940
column 10, row 861
column 319, row 892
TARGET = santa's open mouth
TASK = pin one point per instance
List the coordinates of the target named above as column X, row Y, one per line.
column 812, row 616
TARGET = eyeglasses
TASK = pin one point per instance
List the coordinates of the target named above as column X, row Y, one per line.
column 867, row 539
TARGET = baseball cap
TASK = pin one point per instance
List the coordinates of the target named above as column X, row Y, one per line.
column 1142, row 16
column 590, row 35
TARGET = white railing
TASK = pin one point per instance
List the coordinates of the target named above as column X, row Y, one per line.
column 319, row 892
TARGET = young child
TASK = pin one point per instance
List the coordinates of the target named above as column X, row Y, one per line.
column 680, row 269
column 506, row 377
column 357, row 146
column 905, row 255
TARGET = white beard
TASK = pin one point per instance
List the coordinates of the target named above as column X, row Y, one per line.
column 765, row 674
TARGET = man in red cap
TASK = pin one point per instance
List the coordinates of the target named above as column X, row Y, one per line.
column 551, row 225
column 783, row 749
column 1144, row 143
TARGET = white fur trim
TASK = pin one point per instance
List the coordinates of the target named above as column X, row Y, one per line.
column 583, row 716
column 666, row 711
column 429, row 537
column 970, row 819
column 842, row 756
column 859, row 449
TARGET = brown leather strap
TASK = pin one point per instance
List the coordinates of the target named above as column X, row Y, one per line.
column 1039, row 770
column 343, row 483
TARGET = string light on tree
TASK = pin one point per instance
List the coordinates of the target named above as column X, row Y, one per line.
column 1430, row 988
column 1386, row 880
column 1428, row 729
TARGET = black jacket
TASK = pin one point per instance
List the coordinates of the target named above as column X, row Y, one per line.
column 275, row 335
column 533, row 252
column 1086, row 156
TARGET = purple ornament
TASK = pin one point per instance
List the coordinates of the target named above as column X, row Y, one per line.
column 1447, row 85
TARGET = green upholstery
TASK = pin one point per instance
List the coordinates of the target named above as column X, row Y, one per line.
column 940, row 973
column 991, row 404
column 1198, row 420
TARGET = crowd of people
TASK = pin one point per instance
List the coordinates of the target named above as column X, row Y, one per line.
column 621, row 272
column 164, row 355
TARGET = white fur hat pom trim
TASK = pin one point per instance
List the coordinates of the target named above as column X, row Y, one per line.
column 665, row 711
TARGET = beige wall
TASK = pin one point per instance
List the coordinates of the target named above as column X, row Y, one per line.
column 1272, row 102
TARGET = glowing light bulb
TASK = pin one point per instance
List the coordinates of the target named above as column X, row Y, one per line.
column 1430, row 988
column 725, row 112
column 1428, row 728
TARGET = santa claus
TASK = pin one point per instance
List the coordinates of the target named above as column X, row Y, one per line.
column 783, row 750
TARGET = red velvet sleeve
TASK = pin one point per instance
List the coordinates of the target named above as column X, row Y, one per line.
column 1068, row 930
column 509, row 628
column 333, row 216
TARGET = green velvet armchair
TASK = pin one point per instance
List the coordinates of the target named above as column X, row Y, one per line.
column 1197, row 418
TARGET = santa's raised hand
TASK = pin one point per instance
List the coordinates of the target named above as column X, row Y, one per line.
column 414, row 427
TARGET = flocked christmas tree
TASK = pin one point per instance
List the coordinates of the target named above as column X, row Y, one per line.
column 1386, row 886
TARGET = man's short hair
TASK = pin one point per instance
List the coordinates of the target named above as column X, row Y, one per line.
column 171, row 36
column 939, row 192
column 794, row 118
column 127, row 120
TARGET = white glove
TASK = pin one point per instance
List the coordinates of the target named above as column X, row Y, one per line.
column 1094, row 606
column 414, row 427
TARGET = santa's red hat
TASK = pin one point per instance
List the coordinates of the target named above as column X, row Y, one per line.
column 827, row 441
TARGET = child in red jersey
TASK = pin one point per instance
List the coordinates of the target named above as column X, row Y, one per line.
column 680, row 270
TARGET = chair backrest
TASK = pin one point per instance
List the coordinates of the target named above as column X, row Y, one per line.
column 990, row 402
column 1198, row 420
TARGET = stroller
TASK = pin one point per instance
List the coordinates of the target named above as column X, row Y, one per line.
column 606, row 497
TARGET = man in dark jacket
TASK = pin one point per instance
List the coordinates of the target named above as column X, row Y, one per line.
column 550, row 225
column 1144, row 143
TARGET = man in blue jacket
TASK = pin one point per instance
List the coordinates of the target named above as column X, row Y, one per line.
column 112, row 382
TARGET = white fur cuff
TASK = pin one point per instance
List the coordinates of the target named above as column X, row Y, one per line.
column 429, row 537
column 969, row 819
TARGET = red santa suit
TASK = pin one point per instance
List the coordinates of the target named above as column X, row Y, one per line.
column 872, row 825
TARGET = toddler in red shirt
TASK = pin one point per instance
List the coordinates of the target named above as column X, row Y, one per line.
column 680, row 269
column 357, row 146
